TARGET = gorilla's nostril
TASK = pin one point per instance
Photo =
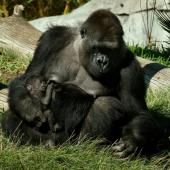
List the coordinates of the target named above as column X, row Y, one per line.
column 102, row 60
column 99, row 60
column 105, row 62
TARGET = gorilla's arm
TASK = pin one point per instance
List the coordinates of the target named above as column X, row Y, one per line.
column 142, row 131
column 69, row 106
column 132, row 87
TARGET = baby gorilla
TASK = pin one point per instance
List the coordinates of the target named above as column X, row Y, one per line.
column 40, row 92
column 36, row 86
column 36, row 130
column 63, row 119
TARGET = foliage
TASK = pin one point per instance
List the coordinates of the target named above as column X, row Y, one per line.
column 40, row 8
column 153, row 54
column 149, row 20
column 164, row 19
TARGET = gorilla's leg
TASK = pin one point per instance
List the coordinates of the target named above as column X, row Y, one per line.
column 105, row 119
column 108, row 119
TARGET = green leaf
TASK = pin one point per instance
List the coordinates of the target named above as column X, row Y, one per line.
column 164, row 19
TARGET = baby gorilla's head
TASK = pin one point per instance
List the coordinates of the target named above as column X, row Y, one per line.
column 36, row 86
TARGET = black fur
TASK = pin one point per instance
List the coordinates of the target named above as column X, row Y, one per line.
column 95, row 59
column 69, row 107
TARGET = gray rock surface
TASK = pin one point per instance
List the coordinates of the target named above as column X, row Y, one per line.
column 137, row 17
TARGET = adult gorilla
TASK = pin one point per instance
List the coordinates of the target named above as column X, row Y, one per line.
column 92, row 59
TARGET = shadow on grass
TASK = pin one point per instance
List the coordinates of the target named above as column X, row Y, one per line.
column 164, row 123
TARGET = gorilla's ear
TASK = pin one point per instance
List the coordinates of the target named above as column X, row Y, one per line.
column 83, row 32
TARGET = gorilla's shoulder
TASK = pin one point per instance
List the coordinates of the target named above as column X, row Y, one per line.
column 58, row 34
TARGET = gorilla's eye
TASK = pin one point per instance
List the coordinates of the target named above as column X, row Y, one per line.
column 83, row 32
column 94, row 49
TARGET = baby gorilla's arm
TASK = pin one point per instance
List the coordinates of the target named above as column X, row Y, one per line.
column 45, row 100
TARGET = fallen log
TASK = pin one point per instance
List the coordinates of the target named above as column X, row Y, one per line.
column 4, row 99
column 157, row 76
column 17, row 33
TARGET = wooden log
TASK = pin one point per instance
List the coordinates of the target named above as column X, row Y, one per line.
column 17, row 33
column 157, row 76
column 3, row 99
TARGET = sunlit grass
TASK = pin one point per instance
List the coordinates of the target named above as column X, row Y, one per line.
column 12, row 63
column 72, row 156
column 162, row 57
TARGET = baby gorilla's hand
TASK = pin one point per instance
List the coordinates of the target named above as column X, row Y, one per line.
column 39, row 119
column 36, row 116
column 46, row 99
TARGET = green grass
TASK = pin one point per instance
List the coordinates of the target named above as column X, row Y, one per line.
column 12, row 63
column 73, row 156
column 83, row 155
column 162, row 57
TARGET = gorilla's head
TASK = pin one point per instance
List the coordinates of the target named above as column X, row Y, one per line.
column 102, row 47
column 36, row 86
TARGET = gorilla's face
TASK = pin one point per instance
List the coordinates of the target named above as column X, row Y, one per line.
column 102, row 48
column 100, row 60
column 36, row 86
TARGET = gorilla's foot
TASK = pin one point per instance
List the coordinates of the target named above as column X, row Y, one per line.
column 124, row 148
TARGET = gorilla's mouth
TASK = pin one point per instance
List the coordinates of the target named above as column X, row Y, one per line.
column 103, row 68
